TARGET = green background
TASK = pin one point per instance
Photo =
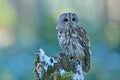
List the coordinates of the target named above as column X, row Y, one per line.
column 27, row 25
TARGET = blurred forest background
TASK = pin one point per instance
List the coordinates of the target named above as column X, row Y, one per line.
column 27, row 25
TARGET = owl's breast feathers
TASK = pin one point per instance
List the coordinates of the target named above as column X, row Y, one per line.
column 71, row 42
column 77, row 34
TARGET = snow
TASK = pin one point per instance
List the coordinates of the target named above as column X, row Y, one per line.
column 46, row 59
column 62, row 72
column 79, row 75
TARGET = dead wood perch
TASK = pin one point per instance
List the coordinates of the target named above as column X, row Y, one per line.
column 58, row 67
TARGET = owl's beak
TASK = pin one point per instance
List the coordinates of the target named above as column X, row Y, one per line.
column 70, row 24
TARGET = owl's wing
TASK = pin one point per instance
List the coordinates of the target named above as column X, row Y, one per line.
column 83, row 39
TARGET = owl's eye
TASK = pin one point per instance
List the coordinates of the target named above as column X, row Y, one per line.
column 73, row 19
column 65, row 20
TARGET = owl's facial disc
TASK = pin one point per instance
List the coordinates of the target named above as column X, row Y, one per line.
column 68, row 20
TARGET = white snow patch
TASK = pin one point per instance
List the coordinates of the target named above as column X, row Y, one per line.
column 40, row 74
column 46, row 59
column 79, row 74
column 54, row 61
column 62, row 72
column 76, row 77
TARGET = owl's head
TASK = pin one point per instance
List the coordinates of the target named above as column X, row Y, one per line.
column 68, row 21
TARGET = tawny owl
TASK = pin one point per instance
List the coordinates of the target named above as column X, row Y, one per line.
column 73, row 39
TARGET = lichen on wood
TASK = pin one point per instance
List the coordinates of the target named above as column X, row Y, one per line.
column 58, row 67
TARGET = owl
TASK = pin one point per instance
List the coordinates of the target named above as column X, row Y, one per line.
column 73, row 39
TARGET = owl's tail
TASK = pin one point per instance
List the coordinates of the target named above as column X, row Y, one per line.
column 86, row 65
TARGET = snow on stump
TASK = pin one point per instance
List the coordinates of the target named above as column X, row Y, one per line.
column 58, row 67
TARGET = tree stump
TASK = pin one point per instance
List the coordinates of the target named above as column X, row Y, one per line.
column 58, row 67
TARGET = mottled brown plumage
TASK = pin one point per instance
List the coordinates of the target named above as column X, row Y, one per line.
column 73, row 39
